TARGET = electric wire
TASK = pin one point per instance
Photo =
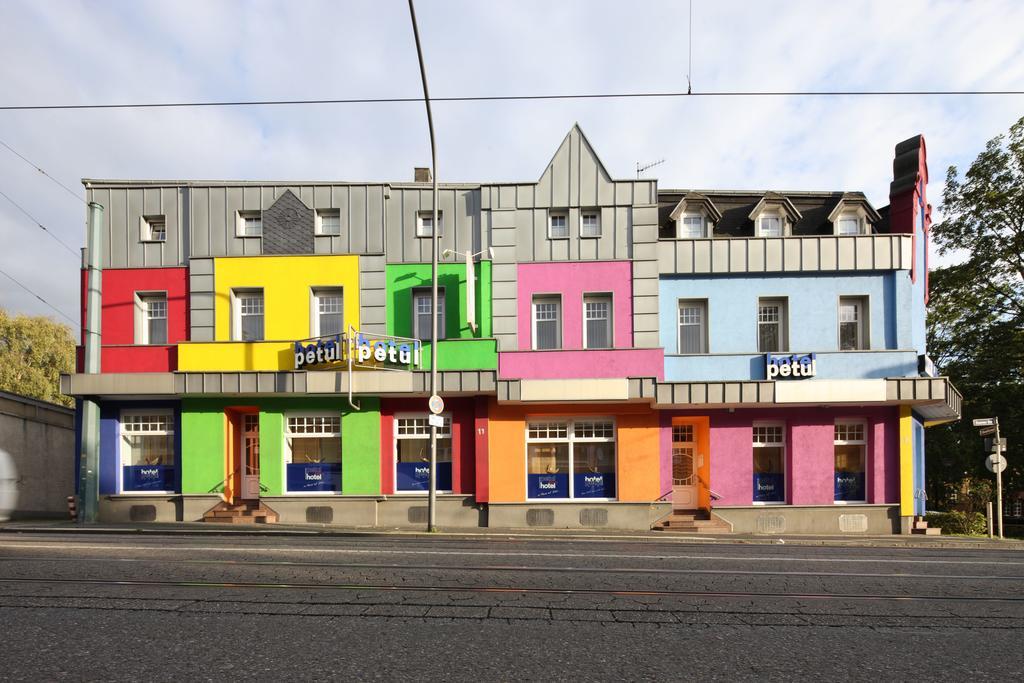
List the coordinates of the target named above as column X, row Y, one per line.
column 32, row 218
column 60, row 312
column 513, row 98
column 38, row 168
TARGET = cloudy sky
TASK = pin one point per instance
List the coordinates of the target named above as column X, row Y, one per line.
column 62, row 51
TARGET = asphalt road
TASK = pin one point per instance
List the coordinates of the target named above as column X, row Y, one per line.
column 153, row 607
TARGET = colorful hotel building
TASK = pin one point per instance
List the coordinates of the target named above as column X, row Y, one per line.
column 616, row 355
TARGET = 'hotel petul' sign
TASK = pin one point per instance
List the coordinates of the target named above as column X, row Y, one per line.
column 378, row 352
column 789, row 366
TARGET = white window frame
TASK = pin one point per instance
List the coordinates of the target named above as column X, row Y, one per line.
column 445, row 432
column 422, row 230
column 863, row 328
column 240, row 222
column 315, row 295
column 418, row 293
column 122, row 451
column 593, row 297
column 771, row 215
column 754, row 443
column 142, row 300
column 681, row 226
column 571, row 439
column 783, row 322
column 863, row 424
column 147, row 223
column 596, row 213
column 705, row 309
column 236, row 312
column 546, row 298
column 327, row 213
column 849, row 217
column 558, row 213
column 286, row 448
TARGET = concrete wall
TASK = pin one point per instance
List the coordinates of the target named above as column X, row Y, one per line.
column 39, row 437
column 814, row 519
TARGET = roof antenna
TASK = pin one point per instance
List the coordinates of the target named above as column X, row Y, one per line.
column 689, row 63
column 640, row 169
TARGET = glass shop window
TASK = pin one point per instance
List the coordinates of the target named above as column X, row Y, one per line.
column 851, row 459
column 769, row 464
column 570, row 459
column 147, row 452
column 412, row 454
column 313, row 453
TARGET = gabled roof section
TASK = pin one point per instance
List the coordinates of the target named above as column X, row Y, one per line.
column 855, row 200
column 575, row 149
column 773, row 200
column 694, row 201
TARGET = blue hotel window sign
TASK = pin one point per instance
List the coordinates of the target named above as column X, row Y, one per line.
column 412, row 453
column 313, row 454
column 147, row 452
column 570, row 459
column 850, row 461
column 769, row 464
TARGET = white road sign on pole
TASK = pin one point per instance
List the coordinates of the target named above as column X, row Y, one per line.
column 995, row 463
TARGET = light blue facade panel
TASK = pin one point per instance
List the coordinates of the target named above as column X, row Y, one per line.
column 917, row 303
column 834, row 365
column 813, row 311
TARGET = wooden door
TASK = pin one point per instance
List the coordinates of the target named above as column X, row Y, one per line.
column 249, row 455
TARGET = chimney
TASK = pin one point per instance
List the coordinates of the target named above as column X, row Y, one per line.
column 421, row 175
column 907, row 191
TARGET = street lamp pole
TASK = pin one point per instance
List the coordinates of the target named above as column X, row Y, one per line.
column 432, row 493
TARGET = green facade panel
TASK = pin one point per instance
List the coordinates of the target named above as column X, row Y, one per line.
column 203, row 442
column 453, row 354
column 202, row 445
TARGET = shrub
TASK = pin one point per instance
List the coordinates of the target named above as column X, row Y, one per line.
column 956, row 522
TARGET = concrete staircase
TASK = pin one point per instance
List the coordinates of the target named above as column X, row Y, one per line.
column 241, row 512
column 693, row 522
column 921, row 528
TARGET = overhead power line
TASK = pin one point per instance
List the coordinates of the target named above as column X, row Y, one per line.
column 38, row 168
column 32, row 218
column 57, row 310
column 513, row 98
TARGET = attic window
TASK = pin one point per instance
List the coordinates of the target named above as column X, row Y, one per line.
column 691, row 226
column 249, row 224
column 154, row 229
column 849, row 224
column 558, row 225
column 769, row 226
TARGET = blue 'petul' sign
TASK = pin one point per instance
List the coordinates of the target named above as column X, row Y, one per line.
column 148, row 478
column 318, row 477
column 769, row 488
column 415, row 476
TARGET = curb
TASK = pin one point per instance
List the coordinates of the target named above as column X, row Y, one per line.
column 653, row 538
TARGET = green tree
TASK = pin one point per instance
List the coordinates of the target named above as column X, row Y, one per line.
column 976, row 316
column 34, row 351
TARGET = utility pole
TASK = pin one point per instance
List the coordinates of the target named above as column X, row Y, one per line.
column 434, row 230
column 88, row 472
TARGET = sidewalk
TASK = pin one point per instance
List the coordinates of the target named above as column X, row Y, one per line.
column 317, row 531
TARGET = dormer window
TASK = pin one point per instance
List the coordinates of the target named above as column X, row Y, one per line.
column 769, row 226
column 558, row 225
column 848, row 224
column 853, row 215
column 691, row 226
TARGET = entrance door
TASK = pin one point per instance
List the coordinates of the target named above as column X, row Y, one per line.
column 684, row 468
column 249, row 454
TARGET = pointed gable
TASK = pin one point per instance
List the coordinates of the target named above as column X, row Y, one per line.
column 288, row 226
column 575, row 175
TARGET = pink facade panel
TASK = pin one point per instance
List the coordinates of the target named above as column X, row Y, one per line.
column 571, row 281
column 582, row 364
column 810, row 453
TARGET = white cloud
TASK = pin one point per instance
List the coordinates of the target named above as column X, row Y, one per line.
column 164, row 51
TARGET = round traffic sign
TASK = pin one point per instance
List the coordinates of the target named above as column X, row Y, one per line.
column 995, row 463
column 436, row 405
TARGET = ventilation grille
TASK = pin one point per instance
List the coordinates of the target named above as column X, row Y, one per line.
column 771, row 524
column 319, row 514
column 142, row 513
column 540, row 517
column 418, row 515
column 591, row 517
column 852, row 524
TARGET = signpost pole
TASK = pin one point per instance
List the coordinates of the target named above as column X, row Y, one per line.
column 999, row 481
column 434, row 230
